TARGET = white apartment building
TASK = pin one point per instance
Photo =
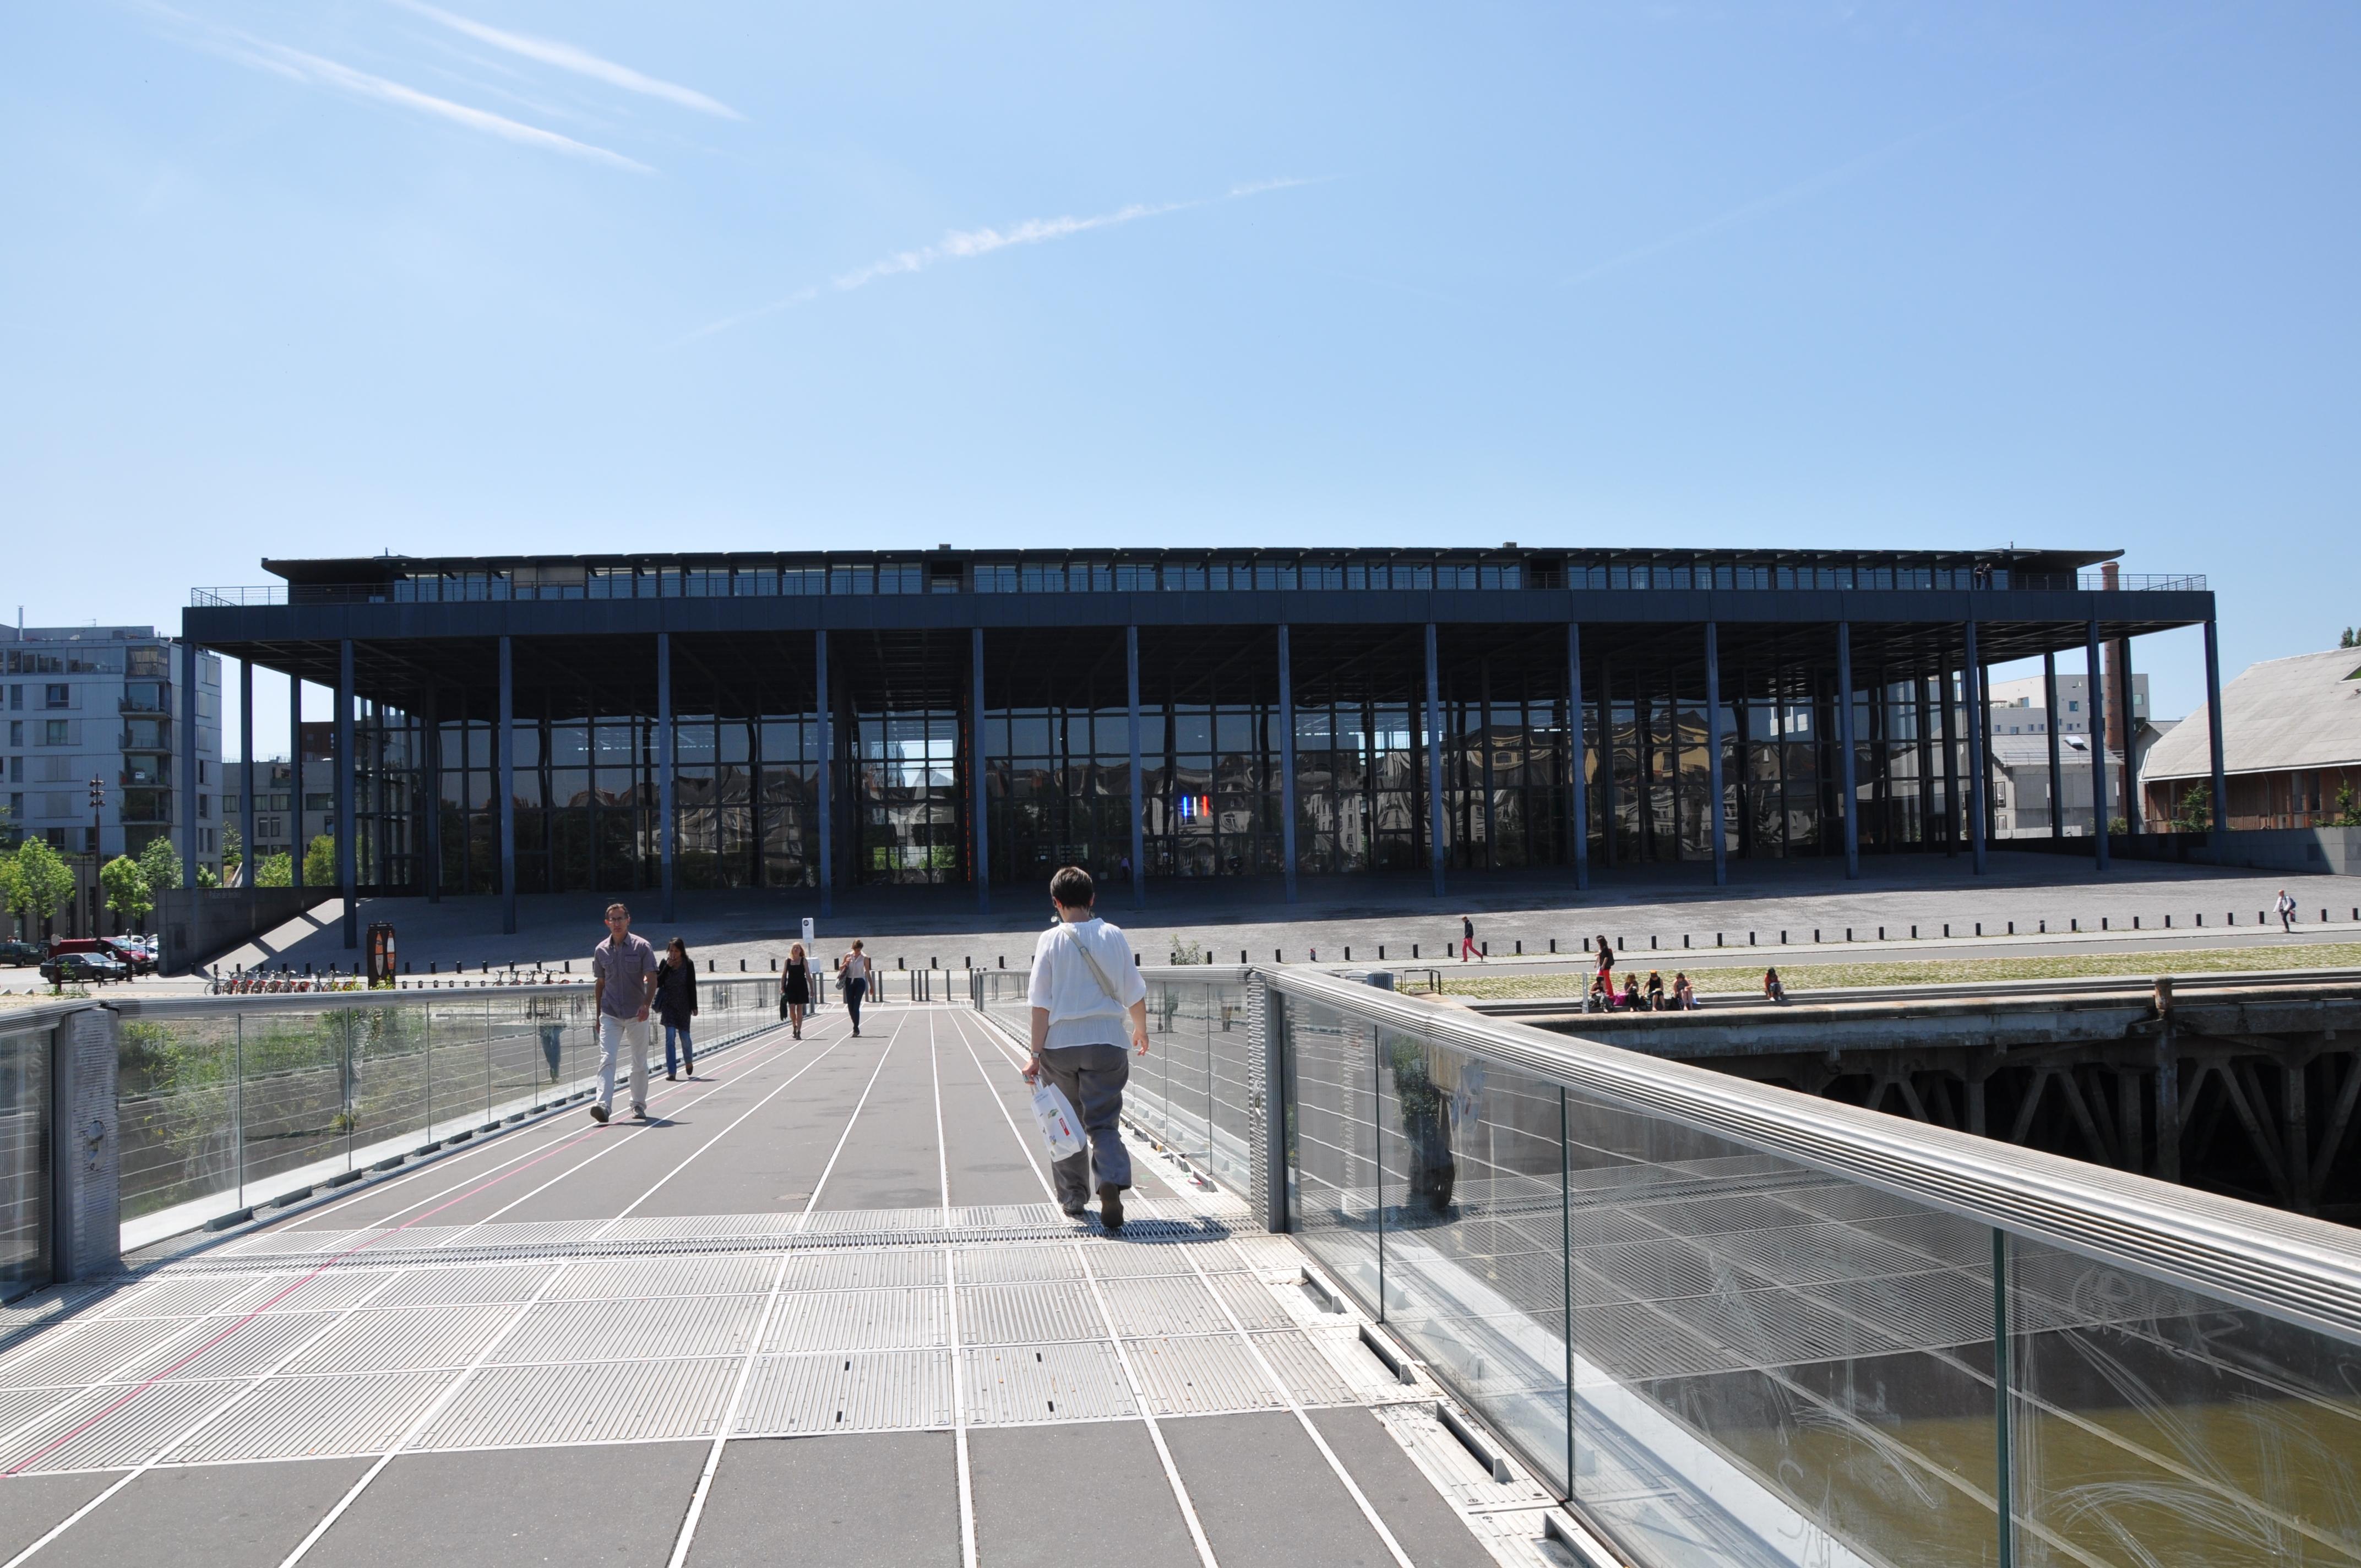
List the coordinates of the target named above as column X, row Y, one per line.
column 2021, row 707
column 79, row 702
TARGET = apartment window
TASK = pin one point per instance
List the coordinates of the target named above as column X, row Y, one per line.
column 15, row 696
column 16, row 730
column 200, row 771
column 275, row 802
column 58, row 732
column 317, row 801
column 205, row 840
column 2073, row 707
column 57, row 696
column 17, row 808
column 204, row 803
column 267, row 828
column 229, row 806
column 15, row 769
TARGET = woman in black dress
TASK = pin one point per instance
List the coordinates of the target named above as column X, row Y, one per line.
column 795, row 987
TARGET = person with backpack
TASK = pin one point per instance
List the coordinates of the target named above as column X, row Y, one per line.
column 2286, row 908
column 1087, row 994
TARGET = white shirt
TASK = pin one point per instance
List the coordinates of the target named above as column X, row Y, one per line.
column 1081, row 1010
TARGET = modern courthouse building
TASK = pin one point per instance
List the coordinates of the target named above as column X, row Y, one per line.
column 978, row 717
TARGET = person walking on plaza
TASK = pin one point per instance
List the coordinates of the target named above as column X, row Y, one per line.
column 852, row 972
column 623, row 969
column 795, row 988
column 1087, row 993
column 1468, row 940
column 676, row 1005
column 2286, row 906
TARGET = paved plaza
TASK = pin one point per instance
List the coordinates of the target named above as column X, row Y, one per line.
column 816, row 1309
column 924, row 926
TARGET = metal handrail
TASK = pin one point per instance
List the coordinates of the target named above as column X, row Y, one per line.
column 2286, row 1266
column 2107, row 989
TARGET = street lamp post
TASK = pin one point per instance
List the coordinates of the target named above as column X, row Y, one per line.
column 97, row 802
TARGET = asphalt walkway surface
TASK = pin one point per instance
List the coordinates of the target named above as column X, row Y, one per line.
column 817, row 1308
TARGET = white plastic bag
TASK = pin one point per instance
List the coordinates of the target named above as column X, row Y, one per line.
column 1060, row 1126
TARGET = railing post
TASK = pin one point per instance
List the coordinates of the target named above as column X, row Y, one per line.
column 237, row 1106
column 2220, row 823
column 2096, row 684
column 2004, row 1510
column 1848, row 786
column 1577, row 740
column 87, row 1169
column 1267, row 1094
column 1713, row 753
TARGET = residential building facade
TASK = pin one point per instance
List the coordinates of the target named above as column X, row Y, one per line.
column 78, row 703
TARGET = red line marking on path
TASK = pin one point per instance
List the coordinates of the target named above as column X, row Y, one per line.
column 321, row 1267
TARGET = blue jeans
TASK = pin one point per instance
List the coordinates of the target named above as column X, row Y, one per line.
column 687, row 1050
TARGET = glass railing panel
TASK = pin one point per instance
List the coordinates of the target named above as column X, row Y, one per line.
column 1230, row 1050
column 1773, row 1364
column 295, row 1095
column 459, row 1081
column 2155, row 1424
column 24, row 1160
column 1473, row 1205
column 1334, row 1188
column 177, row 1110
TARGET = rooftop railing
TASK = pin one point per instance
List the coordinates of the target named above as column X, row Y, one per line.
column 1738, row 1324
column 772, row 583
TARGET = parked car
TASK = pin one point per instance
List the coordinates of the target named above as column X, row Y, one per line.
column 20, row 953
column 119, row 948
column 72, row 968
column 132, row 952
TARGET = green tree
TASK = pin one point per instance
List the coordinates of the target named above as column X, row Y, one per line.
column 206, row 876
column 274, row 871
column 2349, row 808
column 2196, row 813
column 126, row 890
column 40, row 884
column 233, row 849
column 320, row 862
column 161, row 863
column 2349, row 640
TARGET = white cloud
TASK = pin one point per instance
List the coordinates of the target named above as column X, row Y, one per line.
column 567, row 57
column 960, row 244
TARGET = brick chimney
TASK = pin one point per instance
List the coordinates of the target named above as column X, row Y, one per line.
column 2110, row 652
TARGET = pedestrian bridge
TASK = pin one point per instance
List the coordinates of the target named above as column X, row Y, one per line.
column 1402, row 1285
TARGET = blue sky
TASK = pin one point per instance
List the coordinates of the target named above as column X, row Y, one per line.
column 336, row 278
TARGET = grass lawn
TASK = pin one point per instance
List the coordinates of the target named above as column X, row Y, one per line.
column 1801, row 977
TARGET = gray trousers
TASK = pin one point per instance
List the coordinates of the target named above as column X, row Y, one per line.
column 1092, row 1076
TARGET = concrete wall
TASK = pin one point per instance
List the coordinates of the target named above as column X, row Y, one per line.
column 86, row 1193
column 2336, row 850
column 199, row 923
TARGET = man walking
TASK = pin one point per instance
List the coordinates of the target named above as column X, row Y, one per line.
column 1467, row 938
column 1086, row 987
column 2286, row 906
column 623, row 971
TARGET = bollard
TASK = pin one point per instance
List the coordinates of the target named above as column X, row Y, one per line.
column 1717, row 939
column 1947, row 930
column 1881, row 933
column 1750, row 939
column 1685, row 939
column 1276, row 956
column 2136, row 923
column 1004, row 959
column 2200, row 918
column 1242, row 957
column 2045, row 927
column 1848, row 933
column 1485, row 949
column 2168, row 922
column 1553, row 946
column 741, row 965
column 2103, row 922
column 1521, row 941
column 899, row 964
column 1414, row 950
column 2011, row 927
column 1913, row 933
column 429, row 967
column 1586, row 944
column 1651, row 942
column 1815, row 935
column 1348, row 954
column 1782, row 936
column 1979, row 927
column 2074, row 925
column 1381, row 952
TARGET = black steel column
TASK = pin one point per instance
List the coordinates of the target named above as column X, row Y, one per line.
column 2133, row 811
column 1139, row 829
column 1926, row 727
column 2221, row 815
column 1713, row 753
column 1434, row 760
column 247, row 865
column 976, row 765
column 1951, row 815
column 1978, row 783
column 826, row 775
column 296, row 843
column 2098, row 685
column 431, row 755
column 1984, row 729
column 668, row 826
column 1578, row 750
column 2056, row 767
column 504, row 755
column 348, row 829
column 188, row 739
column 1846, row 769
column 1484, row 764
column 1287, row 762
column 1606, row 764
